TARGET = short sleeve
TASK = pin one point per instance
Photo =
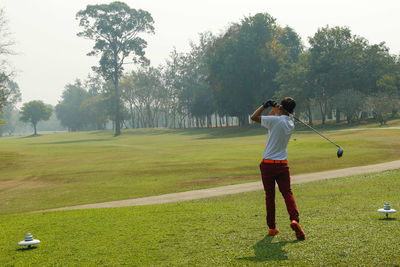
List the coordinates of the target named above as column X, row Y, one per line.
column 268, row 121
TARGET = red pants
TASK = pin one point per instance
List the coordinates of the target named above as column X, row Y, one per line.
column 271, row 172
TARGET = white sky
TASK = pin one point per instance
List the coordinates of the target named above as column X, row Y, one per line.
column 50, row 55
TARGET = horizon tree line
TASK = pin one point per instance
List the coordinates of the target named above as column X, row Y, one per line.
column 224, row 77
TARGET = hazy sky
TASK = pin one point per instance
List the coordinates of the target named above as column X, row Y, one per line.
column 50, row 55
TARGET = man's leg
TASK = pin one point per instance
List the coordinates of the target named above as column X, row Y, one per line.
column 283, row 181
column 267, row 174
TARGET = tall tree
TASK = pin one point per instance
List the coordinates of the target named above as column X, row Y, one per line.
column 3, row 91
column 115, row 28
column 199, row 95
column 329, row 64
column 13, row 96
column 389, row 85
column 142, row 90
column 173, row 78
column 69, row 110
column 294, row 81
column 95, row 106
column 351, row 102
column 244, row 61
column 6, row 42
column 35, row 111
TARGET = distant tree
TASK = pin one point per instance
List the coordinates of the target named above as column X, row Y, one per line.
column 94, row 84
column 243, row 63
column 115, row 27
column 95, row 106
column 376, row 63
column 6, row 42
column 199, row 96
column 9, row 109
column 35, row 111
column 10, row 119
column 3, row 92
column 381, row 105
column 329, row 65
column 69, row 111
column 293, row 46
column 388, row 85
column 14, row 93
column 52, row 124
column 142, row 90
column 294, row 81
column 173, row 76
column 94, row 109
column 351, row 102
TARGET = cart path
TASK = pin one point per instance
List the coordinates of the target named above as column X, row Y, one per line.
column 233, row 189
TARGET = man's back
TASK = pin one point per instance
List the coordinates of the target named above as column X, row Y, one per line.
column 280, row 129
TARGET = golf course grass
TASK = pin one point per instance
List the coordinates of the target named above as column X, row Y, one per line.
column 64, row 169
column 339, row 217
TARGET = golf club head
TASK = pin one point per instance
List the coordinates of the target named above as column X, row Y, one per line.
column 340, row 152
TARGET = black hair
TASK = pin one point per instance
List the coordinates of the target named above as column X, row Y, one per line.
column 288, row 104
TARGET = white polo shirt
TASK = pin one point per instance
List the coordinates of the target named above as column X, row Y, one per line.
column 280, row 129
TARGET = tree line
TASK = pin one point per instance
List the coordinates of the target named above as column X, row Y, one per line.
column 224, row 77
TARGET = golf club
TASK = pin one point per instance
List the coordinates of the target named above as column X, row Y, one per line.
column 340, row 150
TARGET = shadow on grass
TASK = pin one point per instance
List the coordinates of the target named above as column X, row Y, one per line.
column 26, row 248
column 31, row 136
column 266, row 250
column 387, row 219
column 75, row 141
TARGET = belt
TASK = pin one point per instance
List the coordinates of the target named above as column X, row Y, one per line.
column 273, row 161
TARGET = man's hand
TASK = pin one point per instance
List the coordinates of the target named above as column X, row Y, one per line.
column 269, row 103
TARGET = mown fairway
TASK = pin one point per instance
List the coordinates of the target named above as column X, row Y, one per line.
column 339, row 217
column 64, row 169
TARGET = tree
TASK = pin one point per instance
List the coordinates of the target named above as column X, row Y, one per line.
column 173, row 78
column 142, row 90
column 3, row 92
column 69, row 111
column 35, row 111
column 330, row 68
column 94, row 109
column 294, row 81
column 381, row 104
column 198, row 95
column 9, row 109
column 95, row 106
column 115, row 28
column 351, row 102
column 388, row 84
column 11, row 119
column 243, row 63
column 6, row 43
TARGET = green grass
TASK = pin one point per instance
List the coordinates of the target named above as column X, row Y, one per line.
column 63, row 169
column 339, row 217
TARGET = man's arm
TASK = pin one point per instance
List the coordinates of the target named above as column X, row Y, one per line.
column 258, row 113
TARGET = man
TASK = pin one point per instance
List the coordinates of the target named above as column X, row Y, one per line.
column 274, row 167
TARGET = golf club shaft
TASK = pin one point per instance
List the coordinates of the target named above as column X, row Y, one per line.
column 310, row 127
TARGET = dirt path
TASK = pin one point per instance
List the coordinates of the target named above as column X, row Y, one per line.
column 233, row 189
